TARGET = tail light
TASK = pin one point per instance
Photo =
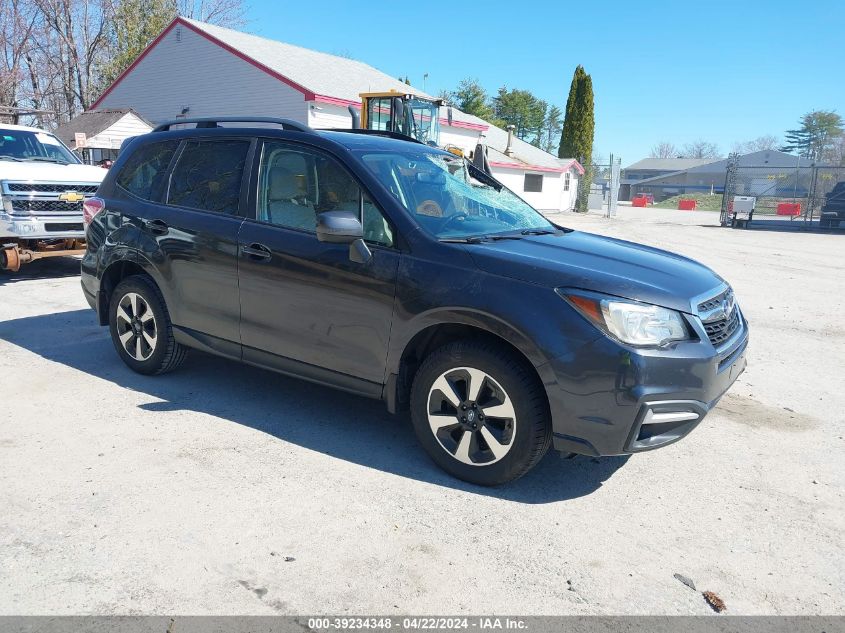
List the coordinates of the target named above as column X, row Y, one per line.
column 91, row 208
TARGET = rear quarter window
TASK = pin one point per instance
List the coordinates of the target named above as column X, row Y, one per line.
column 145, row 170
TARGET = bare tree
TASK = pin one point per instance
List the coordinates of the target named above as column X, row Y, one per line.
column 57, row 56
column 74, row 49
column 229, row 13
column 17, row 21
column 664, row 149
column 759, row 144
column 701, row 149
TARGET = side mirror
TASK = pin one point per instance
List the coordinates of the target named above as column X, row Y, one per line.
column 339, row 227
column 343, row 227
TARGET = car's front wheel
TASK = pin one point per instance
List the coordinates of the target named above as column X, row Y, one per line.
column 480, row 412
column 140, row 327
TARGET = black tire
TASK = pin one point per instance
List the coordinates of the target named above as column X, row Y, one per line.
column 166, row 354
column 528, row 433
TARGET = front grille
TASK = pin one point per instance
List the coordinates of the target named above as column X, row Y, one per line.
column 46, row 206
column 720, row 316
column 711, row 304
column 28, row 187
column 720, row 331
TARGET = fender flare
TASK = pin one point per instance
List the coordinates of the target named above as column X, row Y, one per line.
column 476, row 319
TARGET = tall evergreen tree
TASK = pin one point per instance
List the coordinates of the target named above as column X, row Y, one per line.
column 576, row 140
column 818, row 135
column 552, row 129
column 523, row 110
column 471, row 97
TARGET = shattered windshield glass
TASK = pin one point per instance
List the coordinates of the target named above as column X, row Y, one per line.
column 449, row 199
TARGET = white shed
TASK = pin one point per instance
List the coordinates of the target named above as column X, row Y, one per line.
column 195, row 69
column 104, row 131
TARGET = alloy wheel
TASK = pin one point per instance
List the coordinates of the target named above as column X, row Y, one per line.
column 136, row 326
column 471, row 416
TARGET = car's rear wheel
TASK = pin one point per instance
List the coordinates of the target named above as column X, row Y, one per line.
column 140, row 327
column 480, row 412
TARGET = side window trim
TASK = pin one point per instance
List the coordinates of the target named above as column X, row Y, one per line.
column 173, row 162
column 255, row 185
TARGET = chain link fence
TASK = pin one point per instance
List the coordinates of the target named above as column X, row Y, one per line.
column 604, row 186
column 796, row 195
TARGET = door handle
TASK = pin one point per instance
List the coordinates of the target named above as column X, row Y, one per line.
column 257, row 252
column 156, row 227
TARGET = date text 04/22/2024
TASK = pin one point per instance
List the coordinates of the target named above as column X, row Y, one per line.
column 417, row 623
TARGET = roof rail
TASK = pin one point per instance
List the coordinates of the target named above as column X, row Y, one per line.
column 357, row 130
column 212, row 122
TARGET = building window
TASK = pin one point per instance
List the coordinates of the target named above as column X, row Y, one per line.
column 533, row 183
column 566, row 178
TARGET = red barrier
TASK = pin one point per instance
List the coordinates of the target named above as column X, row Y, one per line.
column 639, row 201
column 789, row 208
column 686, row 204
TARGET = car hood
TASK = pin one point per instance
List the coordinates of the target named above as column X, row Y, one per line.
column 51, row 172
column 601, row 264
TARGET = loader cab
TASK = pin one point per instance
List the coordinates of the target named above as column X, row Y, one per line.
column 406, row 114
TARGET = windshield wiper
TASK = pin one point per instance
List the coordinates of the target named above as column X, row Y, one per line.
column 472, row 239
column 14, row 158
column 505, row 236
column 46, row 159
column 477, row 239
column 538, row 231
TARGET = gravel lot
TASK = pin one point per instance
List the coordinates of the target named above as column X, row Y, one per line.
column 223, row 489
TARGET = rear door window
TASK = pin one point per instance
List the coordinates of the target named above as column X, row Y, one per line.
column 208, row 175
column 145, row 170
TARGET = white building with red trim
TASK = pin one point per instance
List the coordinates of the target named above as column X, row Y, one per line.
column 196, row 69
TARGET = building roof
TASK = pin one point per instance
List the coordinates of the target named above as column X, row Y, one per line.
column 94, row 122
column 319, row 73
column 327, row 78
column 667, row 164
column 770, row 158
column 764, row 158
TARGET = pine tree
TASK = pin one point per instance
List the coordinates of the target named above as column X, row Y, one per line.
column 471, row 98
column 576, row 140
column 819, row 132
column 552, row 128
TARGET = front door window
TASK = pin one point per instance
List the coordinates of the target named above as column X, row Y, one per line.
column 297, row 184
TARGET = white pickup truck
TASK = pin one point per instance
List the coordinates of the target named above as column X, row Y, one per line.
column 42, row 187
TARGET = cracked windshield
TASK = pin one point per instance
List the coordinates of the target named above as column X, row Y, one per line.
column 449, row 199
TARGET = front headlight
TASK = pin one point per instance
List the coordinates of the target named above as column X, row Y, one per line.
column 628, row 321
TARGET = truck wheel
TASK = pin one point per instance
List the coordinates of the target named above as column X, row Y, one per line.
column 140, row 328
column 480, row 413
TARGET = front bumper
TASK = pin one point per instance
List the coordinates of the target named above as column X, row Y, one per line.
column 40, row 228
column 609, row 399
